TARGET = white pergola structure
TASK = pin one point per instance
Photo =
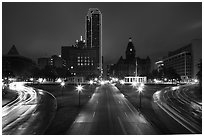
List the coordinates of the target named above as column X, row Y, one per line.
column 130, row 80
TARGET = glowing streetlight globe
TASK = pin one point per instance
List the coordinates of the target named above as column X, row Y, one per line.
column 140, row 89
column 134, row 84
column 91, row 82
column 122, row 82
column 62, row 84
column 142, row 84
column 102, row 82
column 79, row 88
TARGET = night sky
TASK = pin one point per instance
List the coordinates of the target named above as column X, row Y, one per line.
column 40, row 29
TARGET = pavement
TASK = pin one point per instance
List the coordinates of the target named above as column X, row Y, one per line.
column 176, row 102
column 30, row 113
column 108, row 112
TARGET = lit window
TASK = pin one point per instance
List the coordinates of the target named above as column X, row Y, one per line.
column 130, row 49
column 88, row 63
column 78, row 64
column 72, row 67
column 92, row 64
column 85, row 64
column 81, row 64
column 78, row 57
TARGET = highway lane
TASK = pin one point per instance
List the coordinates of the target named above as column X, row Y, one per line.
column 178, row 107
column 109, row 113
column 30, row 113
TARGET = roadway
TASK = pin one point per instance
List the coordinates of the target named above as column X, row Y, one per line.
column 108, row 112
column 175, row 102
column 28, row 113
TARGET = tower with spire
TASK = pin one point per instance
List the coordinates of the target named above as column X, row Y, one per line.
column 130, row 51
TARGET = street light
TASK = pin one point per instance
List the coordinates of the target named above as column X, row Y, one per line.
column 79, row 88
column 62, row 84
column 122, row 82
column 91, row 83
column 134, row 84
column 140, row 89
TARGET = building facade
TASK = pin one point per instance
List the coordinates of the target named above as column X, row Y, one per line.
column 54, row 61
column 185, row 59
column 16, row 65
column 127, row 67
column 94, row 33
column 80, row 60
column 85, row 57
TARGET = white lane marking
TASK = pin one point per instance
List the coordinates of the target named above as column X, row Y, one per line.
column 121, row 125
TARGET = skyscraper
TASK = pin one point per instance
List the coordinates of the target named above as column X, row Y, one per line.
column 94, row 28
column 94, row 33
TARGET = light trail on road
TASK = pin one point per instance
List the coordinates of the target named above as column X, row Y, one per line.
column 21, row 116
column 17, row 110
column 177, row 106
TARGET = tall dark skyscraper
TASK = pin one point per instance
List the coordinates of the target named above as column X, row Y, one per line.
column 94, row 28
column 94, row 33
column 85, row 57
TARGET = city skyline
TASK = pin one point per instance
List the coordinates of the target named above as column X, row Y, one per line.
column 102, row 68
column 155, row 28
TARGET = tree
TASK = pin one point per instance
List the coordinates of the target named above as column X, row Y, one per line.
column 170, row 73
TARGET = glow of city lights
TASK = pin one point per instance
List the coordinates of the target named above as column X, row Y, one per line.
column 102, row 82
column 91, row 82
column 165, row 79
column 142, row 84
column 134, row 84
column 40, row 80
column 175, row 88
column 16, row 86
column 31, row 79
column 59, row 80
column 196, row 80
column 140, row 89
column 44, row 80
column 122, row 82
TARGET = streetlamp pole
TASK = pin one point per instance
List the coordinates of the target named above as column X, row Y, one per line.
column 62, row 86
column 91, row 83
column 79, row 88
column 79, row 98
column 140, row 89
column 140, row 99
